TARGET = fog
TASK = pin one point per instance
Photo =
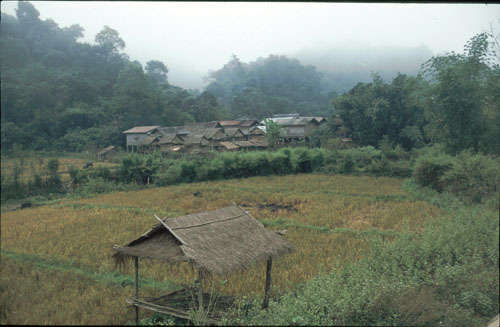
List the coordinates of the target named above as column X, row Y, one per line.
column 193, row 38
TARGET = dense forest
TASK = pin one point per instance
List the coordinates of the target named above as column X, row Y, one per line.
column 63, row 94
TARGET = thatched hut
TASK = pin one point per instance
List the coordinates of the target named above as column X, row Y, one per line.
column 106, row 153
column 215, row 242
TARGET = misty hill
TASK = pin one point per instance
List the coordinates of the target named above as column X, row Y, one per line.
column 276, row 84
column 343, row 67
column 60, row 93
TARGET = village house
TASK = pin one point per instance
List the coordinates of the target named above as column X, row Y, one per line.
column 195, row 144
column 234, row 134
column 136, row 136
column 256, row 133
column 197, row 138
column 170, row 143
column 245, row 126
column 294, row 127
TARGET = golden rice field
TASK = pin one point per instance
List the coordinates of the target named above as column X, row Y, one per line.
column 38, row 165
column 79, row 234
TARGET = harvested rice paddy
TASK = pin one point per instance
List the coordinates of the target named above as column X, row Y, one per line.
column 56, row 260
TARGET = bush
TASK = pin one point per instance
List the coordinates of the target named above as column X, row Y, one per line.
column 430, row 167
column 101, row 172
column 473, row 177
column 347, row 164
column 446, row 275
column 302, row 158
column 188, row 171
column 138, row 168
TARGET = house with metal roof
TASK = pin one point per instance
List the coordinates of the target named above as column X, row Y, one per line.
column 136, row 135
column 295, row 127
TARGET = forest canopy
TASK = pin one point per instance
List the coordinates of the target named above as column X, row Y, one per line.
column 59, row 93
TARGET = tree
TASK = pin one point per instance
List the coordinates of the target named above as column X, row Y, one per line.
column 377, row 109
column 109, row 41
column 273, row 130
column 134, row 102
column 157, row 71
column 464, row 96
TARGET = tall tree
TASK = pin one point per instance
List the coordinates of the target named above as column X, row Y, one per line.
column 463, row 98
column 157, row 71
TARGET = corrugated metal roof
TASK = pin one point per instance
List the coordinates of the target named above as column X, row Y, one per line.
column 141, row 129
column 293, row 121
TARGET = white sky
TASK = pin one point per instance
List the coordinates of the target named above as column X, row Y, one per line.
column 193, row 37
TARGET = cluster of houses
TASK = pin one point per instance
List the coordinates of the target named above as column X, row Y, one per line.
column 224, row 135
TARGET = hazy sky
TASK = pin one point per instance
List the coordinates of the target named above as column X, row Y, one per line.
column 193, row 37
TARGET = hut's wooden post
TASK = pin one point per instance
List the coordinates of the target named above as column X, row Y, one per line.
column 268, row 283
column 136, row 288
column 200, row 289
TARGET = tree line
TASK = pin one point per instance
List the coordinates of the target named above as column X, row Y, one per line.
column 60, row 93
column 454, row 102
column 63, row 94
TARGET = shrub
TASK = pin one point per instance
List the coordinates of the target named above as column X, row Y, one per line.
column 101, row 172
column 302, row 160
column 430, row 167
column 74, row 174
column 347, row 164
column 188, row 171
column 280, row 163
column 473, row 177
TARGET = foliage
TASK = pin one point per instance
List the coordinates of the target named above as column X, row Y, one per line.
column 59, row 92
column 446, row 275
column 276, row 84
column 471, row 177
column 377, row 109
column 139, row 169
column 273, row 130
column 464, row 110
column 430, row 167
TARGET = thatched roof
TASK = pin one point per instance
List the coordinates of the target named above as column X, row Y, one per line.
column 171, row 139
column 229, row 145
column 255, row 130
column 197, row 126
column 177, row 130
column 212, row 133
column 219, row 241
column 148, row 140
column 106, row 150
column 195, row 139
column 233, row 132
